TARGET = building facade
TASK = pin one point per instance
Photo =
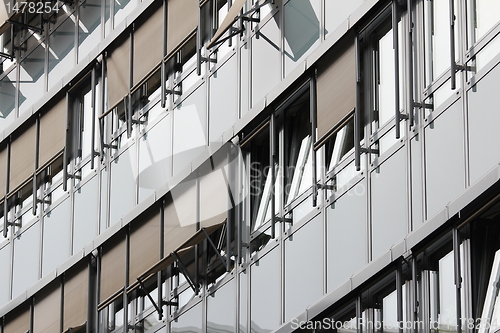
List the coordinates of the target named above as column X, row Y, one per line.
column 249, row 166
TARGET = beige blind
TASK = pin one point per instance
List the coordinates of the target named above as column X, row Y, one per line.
column 3, row 170
column 18, row 321
column 336, row 89
column 52, row 132
column 47, row 313
column 182, row 18
column 118, row 73
column 22, row 157
column 76, row 298
column 175, row 233
column 113, row 263
column 148, row 45
column 214, row 195
column 144, row 244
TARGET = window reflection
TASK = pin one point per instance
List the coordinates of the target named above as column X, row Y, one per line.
column 61, row 50
column 31, row 83
column 89, row 27
column 301, row 30
column 8, row 96
column 340, row 145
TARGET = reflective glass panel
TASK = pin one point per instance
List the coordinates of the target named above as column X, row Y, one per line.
column 8, row 97
column 155, row 157
column 484, row 14
column 266, row 69
column 223, row 98
column 104, row 200
column 26, row 259
column 89, row 27
column 61, row 50
column 243, row 302
column 388, row 193
column 4, row 274
column 122, row 8
column 445, row 161
column 346, row 233
column 56, row 237
column 265, row 293
column 303, row 267
column 416, row 182
column 221, row 309
column 32, row 84
column 483, row 119
column 85, row 218
column 190, row 129
column 437, row 37
column 301, row 30
column 123, row 188
column 189, row 322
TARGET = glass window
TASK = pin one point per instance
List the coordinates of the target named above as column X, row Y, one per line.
column 245, row 77
column 260, row 180
column 445, row 311
column 111, row 317
column 5, row 274
column 337, row 11
column 155, row 157
column 85, row 214
column 56, row 237
column 221, row 309
column 445, row 161
column 346, row 234
column 298, row 151
column 340, row 145
column 388, row 193
column 301, row 30
column 266, row 68
column 8, row 96
column 89, row 27
column 437, row 37
column 482, row 17
column 61, row 50
column 223, row 98
column 383, row 71
column 483, row 132
column 32, row 83
column 265, row 289
column 26, row 260
column 190, row 129
column 190, row 321
column 303, row 286
column 123, row 188
column 123, row 8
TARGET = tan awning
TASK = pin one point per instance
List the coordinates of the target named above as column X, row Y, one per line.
column 148, row 46
column 52, row 132
column 76, row 288
column 195, row 239
column 182, row 18
column 228, row 21
column 336, row 90
column 22, row 157
column 144, row 244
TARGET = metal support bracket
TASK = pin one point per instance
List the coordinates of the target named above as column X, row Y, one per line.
column 110, row 146
column 25, row 26
column 6, row 55
column 326, row 187
column 224, row 262
column 79, row 177
column 170, row 303
column 184, row 271
column 284, row 219
column 423, row 105
column 158, row 309
column 369, row 150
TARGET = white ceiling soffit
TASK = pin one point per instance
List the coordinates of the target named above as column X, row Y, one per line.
column 231, row 16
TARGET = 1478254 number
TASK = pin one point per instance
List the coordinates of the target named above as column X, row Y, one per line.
column 32, row 7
